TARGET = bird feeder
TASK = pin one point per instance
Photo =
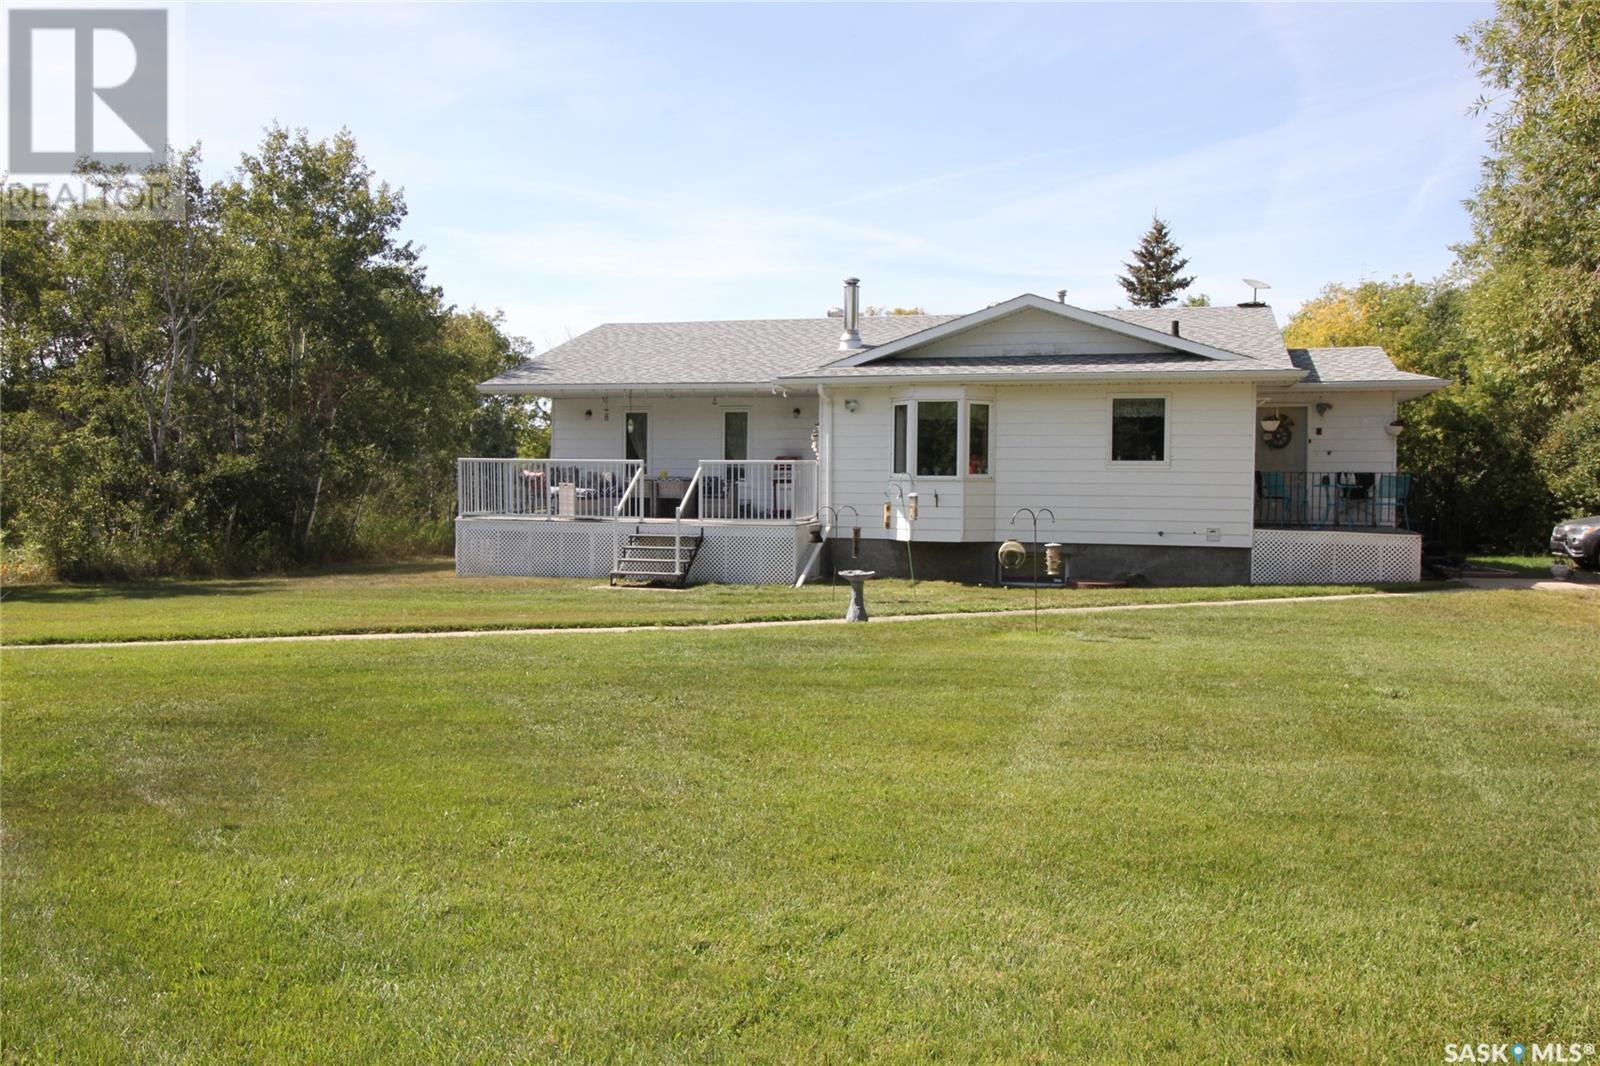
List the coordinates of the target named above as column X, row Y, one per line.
column 1012, row 555
column 1054, row 559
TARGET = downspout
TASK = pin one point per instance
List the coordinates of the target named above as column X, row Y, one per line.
column 824, row 449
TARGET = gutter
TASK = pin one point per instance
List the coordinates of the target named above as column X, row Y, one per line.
column 1289, row 376
column 1424, row 385
column 757, row 388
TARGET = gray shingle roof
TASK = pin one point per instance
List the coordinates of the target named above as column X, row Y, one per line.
column 751, row 352
column 1251, row 331
column 757, row 352
column 1333, row 366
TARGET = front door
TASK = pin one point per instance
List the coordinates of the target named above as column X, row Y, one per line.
column 736, row 435
column 636, row 437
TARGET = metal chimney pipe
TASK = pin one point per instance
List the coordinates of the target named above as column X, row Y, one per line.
column 1061, row 296
column 850, row 339
column 1174, row 327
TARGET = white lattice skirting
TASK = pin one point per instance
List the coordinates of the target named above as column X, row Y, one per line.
column 499, row 547
column 1334, row 557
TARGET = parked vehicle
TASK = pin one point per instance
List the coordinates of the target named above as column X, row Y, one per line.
column 1578, row 539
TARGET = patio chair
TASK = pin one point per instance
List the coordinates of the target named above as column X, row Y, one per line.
column 1272, row 497
column 1396, row 494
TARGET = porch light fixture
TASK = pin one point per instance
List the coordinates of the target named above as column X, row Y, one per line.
column 588, row 414
column 1324, row 407
column 797, row 412
column 852, row 405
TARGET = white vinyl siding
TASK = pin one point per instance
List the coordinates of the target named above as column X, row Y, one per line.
column 683, row 429
column 1031, row 331
column 1354, row 434
column 1050, row 447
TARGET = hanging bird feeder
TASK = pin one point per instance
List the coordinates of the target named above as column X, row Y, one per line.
column 1012, row 555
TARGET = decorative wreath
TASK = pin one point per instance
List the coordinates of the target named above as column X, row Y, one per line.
column 1280, row 437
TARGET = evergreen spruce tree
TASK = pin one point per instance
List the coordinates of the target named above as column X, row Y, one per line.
column 1152, row 279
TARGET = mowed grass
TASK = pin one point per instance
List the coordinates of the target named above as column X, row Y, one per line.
column 428, row 596
column 1345, row 831
column 1525, row 565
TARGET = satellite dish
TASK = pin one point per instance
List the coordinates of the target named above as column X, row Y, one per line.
column 1256, row 285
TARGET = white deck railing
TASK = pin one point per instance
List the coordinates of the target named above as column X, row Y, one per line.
column 756, row 490
column 548, row 488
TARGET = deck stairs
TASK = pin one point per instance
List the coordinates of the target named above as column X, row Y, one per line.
column 657, row 557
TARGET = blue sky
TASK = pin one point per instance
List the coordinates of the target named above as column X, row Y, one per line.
column 574, row 165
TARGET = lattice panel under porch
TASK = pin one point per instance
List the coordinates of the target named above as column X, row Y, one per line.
column 1328, row 557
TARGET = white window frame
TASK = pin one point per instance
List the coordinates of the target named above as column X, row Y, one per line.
column 910, row 400
column 1166, row 432
column 911, row 436
column 966, row 437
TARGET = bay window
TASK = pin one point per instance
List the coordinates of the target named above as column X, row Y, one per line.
column 943, row 436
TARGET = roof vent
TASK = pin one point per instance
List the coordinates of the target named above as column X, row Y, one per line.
column 835, row 312
column 1061, row 296
column 1174, row 327
column 850, row 339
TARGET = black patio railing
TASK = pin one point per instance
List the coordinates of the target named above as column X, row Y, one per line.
column 1344, row 500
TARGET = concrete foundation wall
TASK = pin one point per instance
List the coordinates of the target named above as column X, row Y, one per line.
column 975, row 562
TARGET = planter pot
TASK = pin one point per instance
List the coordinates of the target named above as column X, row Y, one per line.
column 1394, row 430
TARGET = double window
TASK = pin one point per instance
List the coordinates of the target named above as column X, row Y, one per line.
column 929, row 435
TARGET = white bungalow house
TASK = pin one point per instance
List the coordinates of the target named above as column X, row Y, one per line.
column 1184, row 445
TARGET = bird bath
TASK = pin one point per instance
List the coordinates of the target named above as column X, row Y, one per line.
column 858, row 598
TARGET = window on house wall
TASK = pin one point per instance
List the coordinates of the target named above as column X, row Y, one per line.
column 636, row 437
column 936, row 438
column 1139, row 430
column 978, row 438
column 899, row 444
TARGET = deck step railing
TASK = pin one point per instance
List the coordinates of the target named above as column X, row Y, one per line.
column 783, row 490
column 1343, row 500
column 548, row 488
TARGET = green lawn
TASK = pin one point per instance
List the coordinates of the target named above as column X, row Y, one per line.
column 1525, row 565
column 1337, row 832
column 428, row 596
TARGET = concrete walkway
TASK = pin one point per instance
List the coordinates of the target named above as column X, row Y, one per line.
column 700, row 627
column 1541, row 584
